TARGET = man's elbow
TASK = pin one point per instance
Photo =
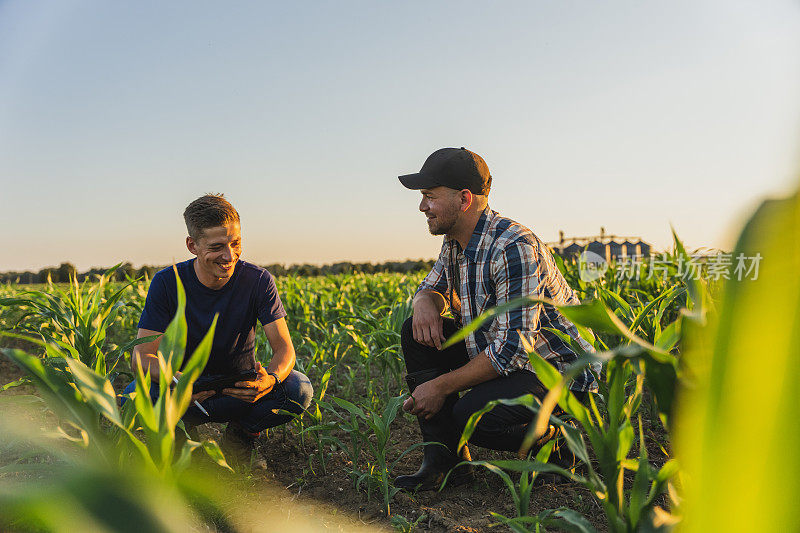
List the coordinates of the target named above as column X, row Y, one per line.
column 289, row 357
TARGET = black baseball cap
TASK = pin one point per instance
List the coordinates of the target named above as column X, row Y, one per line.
column 456, row 168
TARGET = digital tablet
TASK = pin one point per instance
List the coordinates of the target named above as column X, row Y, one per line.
column 223, row 381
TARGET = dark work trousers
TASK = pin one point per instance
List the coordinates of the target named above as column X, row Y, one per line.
column 502, row 428
column 293, row 395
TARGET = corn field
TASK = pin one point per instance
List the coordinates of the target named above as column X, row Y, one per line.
column 694, row 426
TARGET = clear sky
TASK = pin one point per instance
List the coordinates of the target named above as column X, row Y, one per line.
column 628, row 114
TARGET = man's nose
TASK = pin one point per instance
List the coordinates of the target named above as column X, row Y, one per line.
column 227, row 253
column 423, row 205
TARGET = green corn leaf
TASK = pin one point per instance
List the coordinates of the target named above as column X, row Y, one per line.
column 182, row 395
column 215, row 454
column 738, row 448
column 173, row 342
column 495, row 470
column 575, row 442
column 640, row 316
column 410, row 448
column 350, row 407
column 59, row 394
column 96, row 390
column 621, row 304
column 670, row 336
column 695, row 287
column 625, row 440
column 594, row 315
column 17, row 383
column 536, row 466
column 558, row 393
column 667, row 471
column 527, row 400
column 568, row 520
column 185, row 458
column 144, row 406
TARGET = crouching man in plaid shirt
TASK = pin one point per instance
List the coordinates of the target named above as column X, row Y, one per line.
column 485, row 261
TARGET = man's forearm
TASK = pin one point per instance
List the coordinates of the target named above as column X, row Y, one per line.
column 149, row 363
column 282, row 363
column 476, row 371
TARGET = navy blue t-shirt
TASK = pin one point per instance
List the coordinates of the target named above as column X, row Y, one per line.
column 250, row 294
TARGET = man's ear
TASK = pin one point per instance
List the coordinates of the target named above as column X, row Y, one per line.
column 467, row 198
column 191, row 245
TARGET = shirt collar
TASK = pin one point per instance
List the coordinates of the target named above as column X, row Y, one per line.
column 477, row 234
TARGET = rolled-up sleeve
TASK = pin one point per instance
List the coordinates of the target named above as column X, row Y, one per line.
column 516, row 272
column 436, row 280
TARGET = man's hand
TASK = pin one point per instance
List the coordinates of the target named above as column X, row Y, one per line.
column 426, row 400
column 202, row 395
column 252, row 391
column 426, row 322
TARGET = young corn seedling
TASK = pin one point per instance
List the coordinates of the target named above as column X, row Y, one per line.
column 521, row 491
column 378, row 425
column 319, row 430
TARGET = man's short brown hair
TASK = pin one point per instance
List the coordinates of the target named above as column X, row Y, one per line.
column 209, row 211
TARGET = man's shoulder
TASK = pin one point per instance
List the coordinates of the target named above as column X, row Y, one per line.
column 504, row 232
column 167, row 274
column 249, row 269
column 253, row 275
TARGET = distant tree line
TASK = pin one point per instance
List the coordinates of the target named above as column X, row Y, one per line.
column 64, row 272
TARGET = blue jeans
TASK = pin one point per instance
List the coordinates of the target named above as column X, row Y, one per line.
column 293, row 395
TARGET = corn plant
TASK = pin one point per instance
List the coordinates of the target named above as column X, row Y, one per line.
column 401, row 524
column 381, row 341
column 378, row 469
column 90, row 417
column 83, row 399
column 77, row 320
column 319, row 430
column 81, row 494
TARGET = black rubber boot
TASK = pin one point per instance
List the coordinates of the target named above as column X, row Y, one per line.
column 438, row 459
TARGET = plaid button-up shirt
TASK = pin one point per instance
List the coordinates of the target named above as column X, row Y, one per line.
column 505, row 260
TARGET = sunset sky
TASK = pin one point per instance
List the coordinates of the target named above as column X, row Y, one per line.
column 632, row 115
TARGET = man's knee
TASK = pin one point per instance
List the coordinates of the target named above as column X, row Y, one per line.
column 299, row 391
column 462, row 410
column 466, row 406
column 407, row 331
column 131, row 388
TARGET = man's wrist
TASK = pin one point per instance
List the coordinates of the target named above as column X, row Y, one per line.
column 433, row 298
column 444, row 384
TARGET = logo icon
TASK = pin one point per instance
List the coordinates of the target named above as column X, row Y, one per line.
column 591, row 266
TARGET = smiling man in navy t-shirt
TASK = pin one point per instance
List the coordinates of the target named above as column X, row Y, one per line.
column 218, row 282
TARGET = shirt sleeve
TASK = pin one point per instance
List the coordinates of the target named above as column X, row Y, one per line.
column 436, row 280
column 159, row 306
column 516, row 272
column 269, row 305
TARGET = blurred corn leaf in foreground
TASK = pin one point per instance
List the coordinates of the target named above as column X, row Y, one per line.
column 47, row 484
column 737, row 431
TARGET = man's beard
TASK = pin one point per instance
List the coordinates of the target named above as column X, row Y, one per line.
column 443, row 224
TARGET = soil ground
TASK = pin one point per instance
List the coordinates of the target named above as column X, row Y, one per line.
column 293, row 466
